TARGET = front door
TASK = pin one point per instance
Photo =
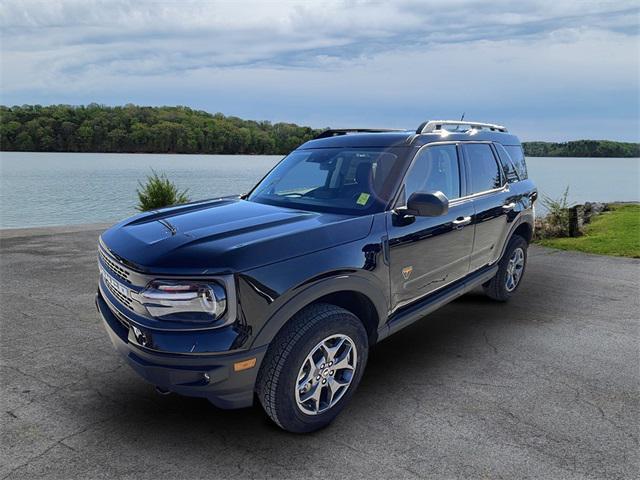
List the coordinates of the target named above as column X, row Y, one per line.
column 427, row 253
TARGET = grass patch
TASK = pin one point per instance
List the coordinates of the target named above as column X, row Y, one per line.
column 616, row 232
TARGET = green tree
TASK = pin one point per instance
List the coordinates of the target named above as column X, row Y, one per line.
column 582, row 148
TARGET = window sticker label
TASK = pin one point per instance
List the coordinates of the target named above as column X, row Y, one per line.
column 363, row 199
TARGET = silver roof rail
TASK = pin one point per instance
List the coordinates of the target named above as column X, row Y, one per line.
column 334, row 132
column 436, row 126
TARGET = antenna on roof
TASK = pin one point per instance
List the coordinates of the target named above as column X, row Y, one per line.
column 462, row 117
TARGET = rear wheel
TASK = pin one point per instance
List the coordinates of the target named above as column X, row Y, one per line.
column 510, row 271
column 312, row 368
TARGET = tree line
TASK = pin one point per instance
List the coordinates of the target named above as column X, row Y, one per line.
column 582, row 148
column 136, row 129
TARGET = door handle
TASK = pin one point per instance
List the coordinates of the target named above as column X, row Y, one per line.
column 460, row 222
column 508, row 207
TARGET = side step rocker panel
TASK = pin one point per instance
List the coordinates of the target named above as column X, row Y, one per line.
column 418, row 310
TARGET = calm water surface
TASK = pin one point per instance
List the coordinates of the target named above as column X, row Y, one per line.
column 38, row 189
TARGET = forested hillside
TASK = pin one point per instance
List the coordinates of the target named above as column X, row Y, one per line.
column 135, row 129
column 97, row 128
column 582, row 148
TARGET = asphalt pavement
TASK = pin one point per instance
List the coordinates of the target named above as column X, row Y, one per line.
column 546, row 386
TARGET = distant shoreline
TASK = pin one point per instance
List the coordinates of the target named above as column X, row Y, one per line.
column 259, row 154
column 167, row 130
column 154, row 153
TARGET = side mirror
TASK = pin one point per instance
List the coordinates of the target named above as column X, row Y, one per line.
column 424, row 204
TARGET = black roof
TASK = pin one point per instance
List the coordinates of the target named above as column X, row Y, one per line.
column 407, row 138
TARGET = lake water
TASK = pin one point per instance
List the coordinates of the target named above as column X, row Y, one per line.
column 39, row 189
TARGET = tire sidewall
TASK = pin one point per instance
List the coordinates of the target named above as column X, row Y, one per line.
column 287, row 408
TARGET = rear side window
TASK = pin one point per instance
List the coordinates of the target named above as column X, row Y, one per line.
column 508, row 167
column 517, row 156
column 484, row 171
column 434, row 169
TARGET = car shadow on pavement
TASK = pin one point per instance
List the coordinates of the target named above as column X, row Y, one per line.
column 408, row 354
column 419, row 383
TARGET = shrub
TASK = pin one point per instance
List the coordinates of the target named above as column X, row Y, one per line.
column 556, row 222
column 158, row 192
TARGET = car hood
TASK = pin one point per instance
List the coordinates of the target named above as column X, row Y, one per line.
column 226, row 235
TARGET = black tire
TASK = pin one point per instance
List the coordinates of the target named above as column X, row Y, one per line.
column 277, row 380
column 496, row 288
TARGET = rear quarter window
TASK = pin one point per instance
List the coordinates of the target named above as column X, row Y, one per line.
column 517, row 157
column 508, row 166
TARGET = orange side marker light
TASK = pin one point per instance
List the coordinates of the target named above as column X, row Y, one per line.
column 244, row 365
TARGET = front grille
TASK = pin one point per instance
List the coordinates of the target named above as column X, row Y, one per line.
column 124, row 321
column 118, row 272
column 127, row 302
column 118, row 269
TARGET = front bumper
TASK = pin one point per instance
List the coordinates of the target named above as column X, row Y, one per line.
column 197, row 375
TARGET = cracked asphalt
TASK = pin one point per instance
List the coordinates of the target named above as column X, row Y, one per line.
column 546, row 386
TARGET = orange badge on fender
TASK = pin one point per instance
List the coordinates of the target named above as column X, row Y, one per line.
column 406, row 272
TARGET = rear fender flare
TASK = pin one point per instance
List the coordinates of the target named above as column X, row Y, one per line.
column 524, row 217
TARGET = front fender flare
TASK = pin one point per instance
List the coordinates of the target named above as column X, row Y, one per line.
column 316, row 290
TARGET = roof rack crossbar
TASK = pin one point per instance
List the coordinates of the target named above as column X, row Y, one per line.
column 333, row 132
column 436, row 126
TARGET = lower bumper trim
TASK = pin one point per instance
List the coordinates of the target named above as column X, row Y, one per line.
column 211, row 377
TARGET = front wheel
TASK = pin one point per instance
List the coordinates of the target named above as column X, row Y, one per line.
column 312, row 368
column 510, row 271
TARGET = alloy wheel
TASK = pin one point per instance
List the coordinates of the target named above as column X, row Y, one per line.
column 325, row 374
column 515, row 268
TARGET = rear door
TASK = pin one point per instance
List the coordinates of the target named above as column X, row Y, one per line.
column 427, row 253
column 488, row 188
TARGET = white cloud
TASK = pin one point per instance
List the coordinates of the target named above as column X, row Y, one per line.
column 383, row 62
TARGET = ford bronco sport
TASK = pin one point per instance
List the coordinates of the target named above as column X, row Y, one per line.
column 278, row 294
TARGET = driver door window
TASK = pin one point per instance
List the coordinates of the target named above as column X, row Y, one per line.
column 434, row 169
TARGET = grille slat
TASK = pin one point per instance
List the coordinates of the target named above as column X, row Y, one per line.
column 121, row 272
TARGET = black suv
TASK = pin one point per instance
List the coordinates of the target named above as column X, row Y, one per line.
column 279, row 294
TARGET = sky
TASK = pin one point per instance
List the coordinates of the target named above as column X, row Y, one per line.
column 551, row 70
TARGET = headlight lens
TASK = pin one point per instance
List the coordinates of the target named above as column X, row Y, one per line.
column 184, row 301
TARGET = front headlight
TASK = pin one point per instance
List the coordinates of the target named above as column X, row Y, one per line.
column 185, row 301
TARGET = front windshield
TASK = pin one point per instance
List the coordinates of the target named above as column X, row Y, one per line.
column 340, row 180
